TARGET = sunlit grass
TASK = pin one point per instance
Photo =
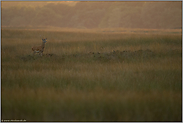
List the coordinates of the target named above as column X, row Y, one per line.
column 142, row 84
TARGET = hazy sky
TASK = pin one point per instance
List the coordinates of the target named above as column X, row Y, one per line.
column 93, row 14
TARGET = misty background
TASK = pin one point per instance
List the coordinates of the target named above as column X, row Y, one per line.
column 148, row 15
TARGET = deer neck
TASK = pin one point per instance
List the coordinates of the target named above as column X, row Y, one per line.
column 43, row 45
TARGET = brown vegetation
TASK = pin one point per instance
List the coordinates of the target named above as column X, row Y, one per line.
column 89, row 76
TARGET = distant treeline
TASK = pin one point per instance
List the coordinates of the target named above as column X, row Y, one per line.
column 154, row 15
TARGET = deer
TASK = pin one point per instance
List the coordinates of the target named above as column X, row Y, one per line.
column 39, row 49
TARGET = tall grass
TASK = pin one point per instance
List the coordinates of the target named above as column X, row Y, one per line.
column 142, row 84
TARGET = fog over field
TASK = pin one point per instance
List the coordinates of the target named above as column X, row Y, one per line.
column 92, row 14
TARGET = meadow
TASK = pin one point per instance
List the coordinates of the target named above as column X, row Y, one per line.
column 91, row 75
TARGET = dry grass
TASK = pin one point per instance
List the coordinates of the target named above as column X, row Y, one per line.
column 144, row 83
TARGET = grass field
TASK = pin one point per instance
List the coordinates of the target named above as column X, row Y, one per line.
column 91, row 76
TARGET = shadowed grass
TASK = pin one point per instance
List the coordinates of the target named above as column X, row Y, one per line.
column 98, row 105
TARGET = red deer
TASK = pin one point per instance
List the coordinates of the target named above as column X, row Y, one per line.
column 39, row 49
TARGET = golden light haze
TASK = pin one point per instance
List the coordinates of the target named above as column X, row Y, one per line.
column 93, row 14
